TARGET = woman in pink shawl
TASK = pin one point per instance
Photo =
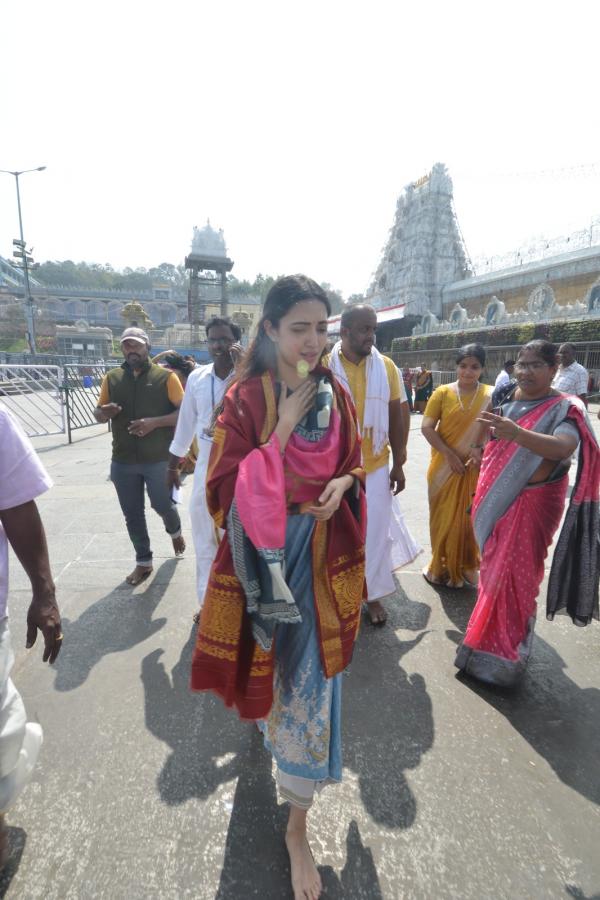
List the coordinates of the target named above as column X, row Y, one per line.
column 517, row 508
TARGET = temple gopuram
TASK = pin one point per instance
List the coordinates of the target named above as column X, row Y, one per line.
column 430, row 297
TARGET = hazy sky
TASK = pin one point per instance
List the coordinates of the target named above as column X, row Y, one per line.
column 293, row 125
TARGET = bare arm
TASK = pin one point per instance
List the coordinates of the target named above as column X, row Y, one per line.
column 142, row 427
column 105, row 412
column 398, row 436
column 405, row 411
column 548, row 446
column 480, row 439
column 173, row 479
column 399, row 426
column 430, row 433
column 27, row 537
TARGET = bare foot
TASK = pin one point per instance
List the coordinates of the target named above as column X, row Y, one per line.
column 306, row 881
column 377, row 613
column 179, row 545
column 139, row 574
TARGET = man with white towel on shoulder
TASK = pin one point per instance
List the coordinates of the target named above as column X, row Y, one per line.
column 373, row 382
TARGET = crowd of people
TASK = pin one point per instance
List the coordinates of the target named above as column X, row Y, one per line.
column 297, row 453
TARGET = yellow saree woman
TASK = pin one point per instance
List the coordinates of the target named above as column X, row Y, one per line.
column 454, row 551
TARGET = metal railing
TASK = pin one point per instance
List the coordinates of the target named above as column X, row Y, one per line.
column 52, row 399
column 33, row 395
column 81, row 387
column 443, row 378
column 45, row 359
column 442, row 358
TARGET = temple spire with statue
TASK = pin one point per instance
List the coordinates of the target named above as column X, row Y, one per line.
column 425, row 283
column 208, row 265
column 424, row 251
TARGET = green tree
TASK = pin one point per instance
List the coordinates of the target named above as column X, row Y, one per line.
column 12, row 325
column 335, row 298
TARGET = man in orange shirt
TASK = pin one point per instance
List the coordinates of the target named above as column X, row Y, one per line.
column 383, row 414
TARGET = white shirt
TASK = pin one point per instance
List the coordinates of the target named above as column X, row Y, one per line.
column 502, row 378
column 203, row 391
column 571, row 380
column 22, row 478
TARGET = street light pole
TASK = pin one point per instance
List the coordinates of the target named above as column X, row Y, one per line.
column 28, row 298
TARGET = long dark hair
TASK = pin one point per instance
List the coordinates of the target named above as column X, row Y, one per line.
column 179, row 363
column 284, row 294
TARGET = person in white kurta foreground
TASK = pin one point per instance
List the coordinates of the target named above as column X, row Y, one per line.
column 22, row 479
column 384, row 418
column 204, row 391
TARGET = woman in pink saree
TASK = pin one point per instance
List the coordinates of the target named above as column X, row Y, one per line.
column 518, row 507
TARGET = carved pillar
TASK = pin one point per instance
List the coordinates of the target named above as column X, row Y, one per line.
column 194, row 312
column 223, row 293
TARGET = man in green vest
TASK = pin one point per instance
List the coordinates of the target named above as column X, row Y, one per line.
column 142, row 401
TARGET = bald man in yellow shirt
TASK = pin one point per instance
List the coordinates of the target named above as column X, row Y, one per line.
column 383, row 414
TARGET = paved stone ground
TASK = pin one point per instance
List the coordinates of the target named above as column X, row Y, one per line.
column 451, row 789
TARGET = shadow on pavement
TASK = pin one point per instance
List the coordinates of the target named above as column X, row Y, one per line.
column 210, row 746
column 206, row 738
column 576, row 892
column 560, row 720
column 359, row 879
column 17, row 839
column 387, row 719
column 458, row 606
column 256, row 863
column 115, row 623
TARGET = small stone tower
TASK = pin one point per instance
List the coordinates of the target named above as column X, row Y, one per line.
column 208, row 265
column 425, row 249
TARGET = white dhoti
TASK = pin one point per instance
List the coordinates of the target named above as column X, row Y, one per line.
column 389, row 544
column 20, row 740
column 204, row 530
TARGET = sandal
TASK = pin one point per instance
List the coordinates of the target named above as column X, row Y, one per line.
column 179, row 545
column 472, row 582
column 432, row 579
column 139, row 574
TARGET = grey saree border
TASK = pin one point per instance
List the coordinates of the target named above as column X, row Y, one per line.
column 492, row 669
column 514, row 477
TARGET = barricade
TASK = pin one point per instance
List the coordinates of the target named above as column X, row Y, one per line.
column 33, row 395
column 81, row 387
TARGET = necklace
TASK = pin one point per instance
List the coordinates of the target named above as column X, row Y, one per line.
column 460, row 398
